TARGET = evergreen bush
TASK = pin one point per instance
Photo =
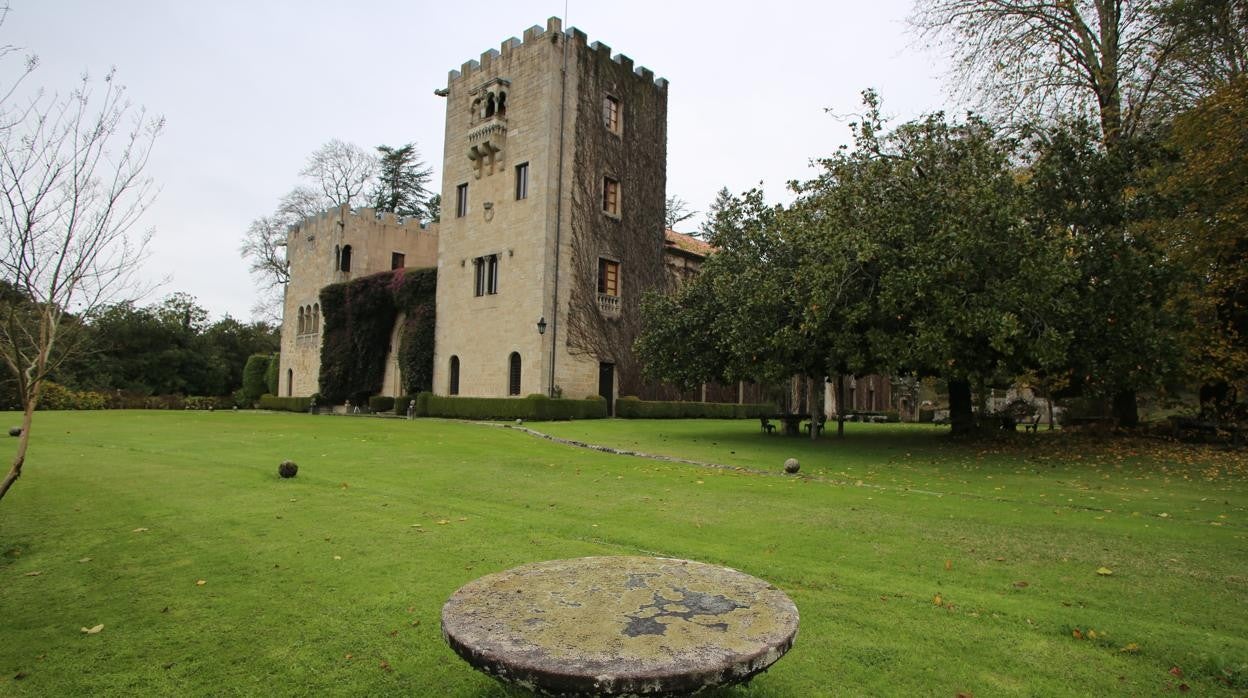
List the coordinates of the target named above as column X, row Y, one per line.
column 380, row 403
column 630, row 407
column 287, row 404
column 534, row 407
column 271, row 374
column 253, row 377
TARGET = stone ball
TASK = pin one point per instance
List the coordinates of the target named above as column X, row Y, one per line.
column 287, row 469
column 791, row 466
column 15, row 431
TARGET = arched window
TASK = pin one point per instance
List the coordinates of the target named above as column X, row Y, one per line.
column 502, row 104
column 302, row 321
column 345, row 263
column 290, row 382
column 454, row 386
column 316, row 318
column 513, row 374
column 489, row 105
column 337, row 257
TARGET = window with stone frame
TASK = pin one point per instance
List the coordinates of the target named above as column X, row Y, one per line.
column 461, row 200
column 608, row 277
column 612, row 114
column 610, row 196
column 513, row 374
column 453, row 388
column 485, row 275
column 398, row 260
column 522, row 181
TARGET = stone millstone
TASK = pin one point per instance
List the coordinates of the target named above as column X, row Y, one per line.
column 620, row 625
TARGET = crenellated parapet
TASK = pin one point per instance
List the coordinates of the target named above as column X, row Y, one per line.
column 551, row 34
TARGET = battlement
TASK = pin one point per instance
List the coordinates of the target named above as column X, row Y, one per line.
column 535, row 34
column 351, row 217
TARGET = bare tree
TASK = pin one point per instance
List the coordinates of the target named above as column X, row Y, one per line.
column 342, row 171
column 72, row 191
column 1037, row 60
column 676, row 212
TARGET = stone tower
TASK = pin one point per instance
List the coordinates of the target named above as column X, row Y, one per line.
column 553, row 191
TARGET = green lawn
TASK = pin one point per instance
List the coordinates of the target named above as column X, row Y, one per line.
column 920, row 566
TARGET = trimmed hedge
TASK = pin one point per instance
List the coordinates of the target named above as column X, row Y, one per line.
column 534, row 407
column 270, row 374
column 380, row 403
column 632, row 408
column 254, row 376
column 288, row 404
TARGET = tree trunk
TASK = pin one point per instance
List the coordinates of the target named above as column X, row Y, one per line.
column 1126, row 412
column 961, row 418
column 19, row 458
column 840, row 406
column 813, row 405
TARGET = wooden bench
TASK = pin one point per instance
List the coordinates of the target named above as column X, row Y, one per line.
column 768, row 427
column 1033, row 425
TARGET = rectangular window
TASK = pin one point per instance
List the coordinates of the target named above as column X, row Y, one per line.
column 398, row 260
column 461, row 200
column 611, row 113
column 491, row 274
column 610, row 196
column 522, row 181
column 478, row 276
column 608, row 277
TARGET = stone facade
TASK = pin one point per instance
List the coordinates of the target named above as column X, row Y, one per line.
column 315, row 250
column 553, row 192
column 513, row 253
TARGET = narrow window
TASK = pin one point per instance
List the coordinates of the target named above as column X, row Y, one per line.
column 491, row 274
column 346, row 258
column 478, row 276
column 302, row 322
column 398, row 260
column 611, row 113
column 502, row 104
column 610, row 196
column 453, row 389
column 316, row 318
column 337, row 257
column 522, row 181
column 290, row 382
column 461, row 200
column 513, row 374
column 489, row 105
column 608, row 277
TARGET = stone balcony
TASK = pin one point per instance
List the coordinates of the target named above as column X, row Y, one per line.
column 609, row 305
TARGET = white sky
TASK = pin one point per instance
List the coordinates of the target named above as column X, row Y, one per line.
column 250, row 89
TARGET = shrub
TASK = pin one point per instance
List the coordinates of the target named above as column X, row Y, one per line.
column 54, row 396
column 271, row 373
column 287, row 404
column 287, row 469
column 536, row 408
column 380, row 403
column 892, row 416
column 253, row 376
column 926, row 414
column 632, row 408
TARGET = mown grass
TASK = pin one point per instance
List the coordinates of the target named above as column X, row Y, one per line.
column 920, row 566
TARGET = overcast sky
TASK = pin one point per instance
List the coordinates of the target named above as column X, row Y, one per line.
column 249, row 89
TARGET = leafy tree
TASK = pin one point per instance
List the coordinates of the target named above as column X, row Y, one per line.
column 402, row 185
column 72, row 191
column 434, row 208
column 254, row 384
column 1207, row 231
column 1210, row 48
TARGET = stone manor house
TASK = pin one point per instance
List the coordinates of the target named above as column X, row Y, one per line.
column 553, row 191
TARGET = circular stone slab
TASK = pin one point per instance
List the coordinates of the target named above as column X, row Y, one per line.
column 620, row 625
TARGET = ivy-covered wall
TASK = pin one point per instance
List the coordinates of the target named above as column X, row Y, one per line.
column 359, row 316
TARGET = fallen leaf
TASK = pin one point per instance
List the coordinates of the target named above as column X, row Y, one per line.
column 948, row 565
column 1076, row 634
column 1175, row 671
column 999, row 559
column 337, row 557
column 347, row 655
column 386, row 665
column 463, row 518
column 94, row 630
column 965, row 694
column 443, row 522
column 34, row 574
column 139, row 530
column 85, row 559
column 1184, row 688
column 936, row 600
column 1020, row 585
column 1131, row 648
column 1104, row 571
column 200, row 582
column 416, row 622
column 1091, row 634
column 19, row 676
column 344, row 485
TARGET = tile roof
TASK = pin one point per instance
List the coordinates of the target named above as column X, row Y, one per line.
column 687, row 243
